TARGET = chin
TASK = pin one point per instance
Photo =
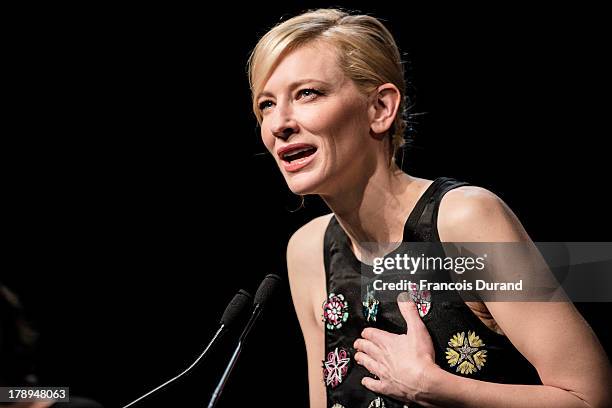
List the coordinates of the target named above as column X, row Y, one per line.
column 303, row 184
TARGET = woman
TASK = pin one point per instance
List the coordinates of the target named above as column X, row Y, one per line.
column 328, row 92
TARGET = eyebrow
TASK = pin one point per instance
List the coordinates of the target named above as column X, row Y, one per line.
column 293, row 85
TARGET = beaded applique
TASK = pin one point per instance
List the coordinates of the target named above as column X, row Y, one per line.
column 422, row 300
column 466, row 353
column 336, row 367
column 370, row 305
column 335, row 311
column 377, row 403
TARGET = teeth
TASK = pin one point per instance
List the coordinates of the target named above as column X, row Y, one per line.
column 294, row 152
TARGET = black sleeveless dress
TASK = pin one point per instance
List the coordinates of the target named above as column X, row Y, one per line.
column 463, row 344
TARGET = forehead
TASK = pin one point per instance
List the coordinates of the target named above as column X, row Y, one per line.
column 313, row 61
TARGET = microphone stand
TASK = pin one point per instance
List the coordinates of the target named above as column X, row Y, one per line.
column 217, row 334
column 230, row 366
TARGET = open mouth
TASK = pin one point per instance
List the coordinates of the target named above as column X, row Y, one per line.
column 296, row 156
column 298, row 153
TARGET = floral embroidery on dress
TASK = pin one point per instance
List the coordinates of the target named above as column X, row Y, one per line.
column 335, row 311
column 421, row 298
column 377, row 403
column 466, row 353
column 370, row 305
column 336, row 405
column 336, row 367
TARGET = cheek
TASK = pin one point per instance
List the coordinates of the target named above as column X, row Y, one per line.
column 344, row 123
column 267, row 138
column 334, row 117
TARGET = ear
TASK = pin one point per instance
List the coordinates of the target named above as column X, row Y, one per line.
column 383, row 107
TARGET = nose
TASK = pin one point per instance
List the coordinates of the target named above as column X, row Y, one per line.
column 284, row 125
column 284, row 133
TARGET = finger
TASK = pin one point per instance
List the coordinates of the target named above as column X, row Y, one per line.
column 368, row 347
column 368, row 362
column 408, row 309
column 373, row 385
column 376, row 336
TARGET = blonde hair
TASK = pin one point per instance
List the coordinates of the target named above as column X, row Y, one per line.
column 368, row 55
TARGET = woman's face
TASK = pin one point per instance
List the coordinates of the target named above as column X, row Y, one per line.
column 315, row 121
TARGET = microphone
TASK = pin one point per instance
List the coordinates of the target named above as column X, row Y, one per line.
column 265, row 290
column 234, row 309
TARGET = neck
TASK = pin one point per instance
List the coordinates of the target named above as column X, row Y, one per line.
column 374, row 208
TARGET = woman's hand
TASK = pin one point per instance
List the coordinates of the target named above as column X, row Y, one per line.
column 400, row 361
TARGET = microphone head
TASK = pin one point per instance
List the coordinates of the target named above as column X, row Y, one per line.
column 241, row 301
column 266, row 288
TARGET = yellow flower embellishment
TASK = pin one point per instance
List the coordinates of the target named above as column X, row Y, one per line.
column 465, row 353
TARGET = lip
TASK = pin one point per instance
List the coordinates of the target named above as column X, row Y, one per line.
column 293, row 146
column 298, row 164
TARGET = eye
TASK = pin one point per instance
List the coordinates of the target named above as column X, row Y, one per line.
column 265, row 104
column 308, row 93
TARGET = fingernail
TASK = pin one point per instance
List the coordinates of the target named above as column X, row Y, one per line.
column 403, row 297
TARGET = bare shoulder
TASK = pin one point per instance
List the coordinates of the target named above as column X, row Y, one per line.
column 306, row 270
column 307, row 242
column 472, row 214
column 475, row 214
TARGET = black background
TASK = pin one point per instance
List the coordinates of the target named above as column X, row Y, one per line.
column 140, row 199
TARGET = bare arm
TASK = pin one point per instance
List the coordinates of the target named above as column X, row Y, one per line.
column 572, row 365
column 307, row 282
